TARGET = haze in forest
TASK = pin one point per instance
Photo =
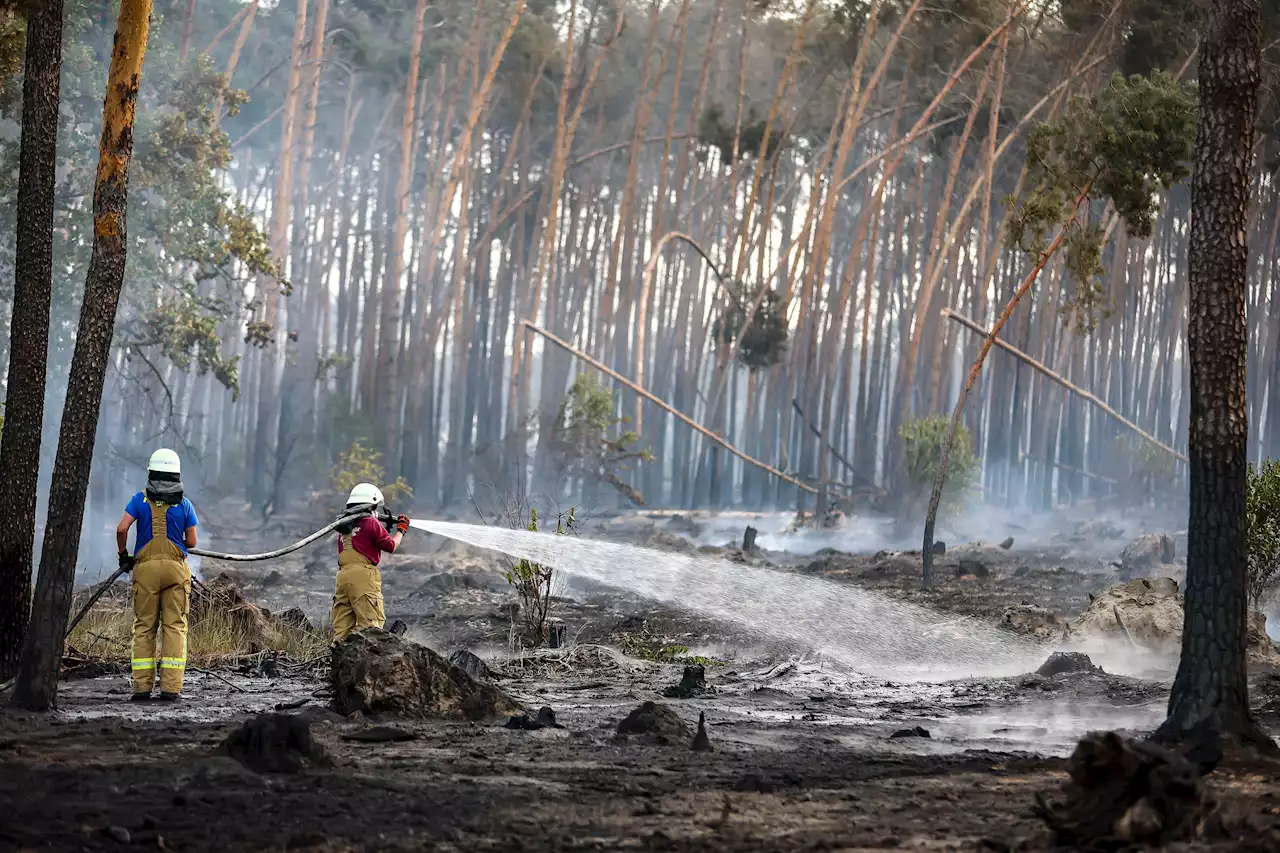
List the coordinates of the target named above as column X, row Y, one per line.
column 332, row 259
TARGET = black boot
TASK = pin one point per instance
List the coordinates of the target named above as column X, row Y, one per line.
column 141, row 697
column 169, row 697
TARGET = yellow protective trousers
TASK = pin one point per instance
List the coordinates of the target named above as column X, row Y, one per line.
column 357, row 600
column 161, row 599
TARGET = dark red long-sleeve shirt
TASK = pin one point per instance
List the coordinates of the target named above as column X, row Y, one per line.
column 370, row 538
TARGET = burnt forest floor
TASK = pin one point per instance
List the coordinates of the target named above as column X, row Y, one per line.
column 803, row 756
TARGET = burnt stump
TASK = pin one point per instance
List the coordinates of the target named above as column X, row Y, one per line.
column 1126, row 792
column 274, row 743
column 1060, row 662
column 692, row 683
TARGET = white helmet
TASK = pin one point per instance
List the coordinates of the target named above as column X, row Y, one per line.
column 165, row 461
column 365, row 493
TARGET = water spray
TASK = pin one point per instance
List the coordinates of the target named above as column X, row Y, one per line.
column 868, row 631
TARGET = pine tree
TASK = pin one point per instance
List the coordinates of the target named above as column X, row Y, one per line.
column 1210, row 692
column 29, row 325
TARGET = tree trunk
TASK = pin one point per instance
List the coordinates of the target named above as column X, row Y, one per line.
column 388, row 376
column 29, row 330
column 264, row 427
column 298, row 383
column 188, row 24
column 37, row 686
column 1210, row 692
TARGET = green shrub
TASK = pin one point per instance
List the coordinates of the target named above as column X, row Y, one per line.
column 583, row 440
column 362, row 464
column 532, row 581
column 924, row 439
column 1153, row 468
column 1262, row 528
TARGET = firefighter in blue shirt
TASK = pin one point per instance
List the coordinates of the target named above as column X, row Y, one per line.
column 161, row 578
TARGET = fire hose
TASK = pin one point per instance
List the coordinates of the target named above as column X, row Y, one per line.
column 352, row 514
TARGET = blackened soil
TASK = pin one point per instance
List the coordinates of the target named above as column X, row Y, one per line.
column 75, row 786
column 65, row 788
column 802, row 761
column 978, row 581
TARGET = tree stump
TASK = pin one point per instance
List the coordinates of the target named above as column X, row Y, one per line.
column 749, row 540
column 1060, row 662
column 374, row 672
column 557, row 634
column 274, row 743
column 692, row 683
column 1124, row 792
column 471, row 664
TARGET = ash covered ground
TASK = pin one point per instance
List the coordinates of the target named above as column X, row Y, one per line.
column 806, row 753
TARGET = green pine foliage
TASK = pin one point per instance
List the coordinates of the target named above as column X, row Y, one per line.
column 1123, row 145
column 924, row 439
column 1262, row 528
column 587, row 440
column 765, row 341
column 193, row 246
column 362, row 464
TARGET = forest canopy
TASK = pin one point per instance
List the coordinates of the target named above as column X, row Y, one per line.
column 269, row 321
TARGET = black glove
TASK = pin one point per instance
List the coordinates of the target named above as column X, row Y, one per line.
column 126, row 561
column 402, row 524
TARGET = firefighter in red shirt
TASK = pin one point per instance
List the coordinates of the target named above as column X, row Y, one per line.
column 357, row 601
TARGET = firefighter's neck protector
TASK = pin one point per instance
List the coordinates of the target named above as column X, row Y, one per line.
column 164, row 487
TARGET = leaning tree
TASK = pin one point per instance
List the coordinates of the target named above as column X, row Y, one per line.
column 1105, row 160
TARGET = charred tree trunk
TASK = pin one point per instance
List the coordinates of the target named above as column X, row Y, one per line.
column 29, row 334
column 37, row 686
column 1210, row 692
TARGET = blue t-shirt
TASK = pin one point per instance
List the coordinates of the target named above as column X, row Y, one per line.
column 177, row 520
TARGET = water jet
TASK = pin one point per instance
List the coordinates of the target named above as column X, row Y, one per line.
column 867, row 631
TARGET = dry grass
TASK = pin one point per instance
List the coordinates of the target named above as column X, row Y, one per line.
column 576, row 658
column 214, row 638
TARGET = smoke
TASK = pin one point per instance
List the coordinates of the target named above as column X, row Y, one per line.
column 1272, row 613
column 1052, row 728
column 193, row 562
column 1035, row 531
